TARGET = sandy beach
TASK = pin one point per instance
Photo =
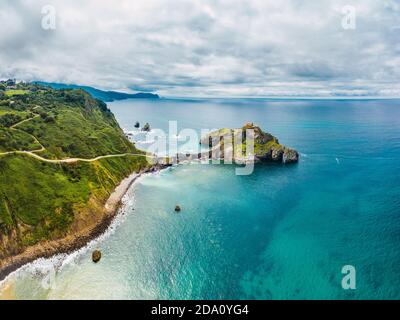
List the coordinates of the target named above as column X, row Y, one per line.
column 72, row 242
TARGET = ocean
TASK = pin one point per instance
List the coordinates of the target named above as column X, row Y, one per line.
column 283, row 232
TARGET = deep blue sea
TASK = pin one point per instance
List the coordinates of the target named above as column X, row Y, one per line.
column 284, row 232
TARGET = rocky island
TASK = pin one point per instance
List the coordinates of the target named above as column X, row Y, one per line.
column 266, row 146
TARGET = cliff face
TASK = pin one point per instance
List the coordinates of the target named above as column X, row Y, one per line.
column 266, row 146
column 43, row 197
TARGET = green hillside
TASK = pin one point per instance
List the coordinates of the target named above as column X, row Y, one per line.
column 41, row 200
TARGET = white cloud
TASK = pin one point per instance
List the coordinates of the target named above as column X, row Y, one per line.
column 201, row 48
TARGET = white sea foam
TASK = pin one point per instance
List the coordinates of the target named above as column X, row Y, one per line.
column 42, row 267
column 147, row 142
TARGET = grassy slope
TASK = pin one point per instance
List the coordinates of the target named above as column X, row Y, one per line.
column 11, row 140
column 7, row 110
column 41, row 200
column 15, row 92
column 98, row 135
column 42, row 196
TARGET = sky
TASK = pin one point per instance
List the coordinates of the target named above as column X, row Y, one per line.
column 204, row 48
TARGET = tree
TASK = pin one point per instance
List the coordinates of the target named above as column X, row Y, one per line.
column 10, row 119
column 50, row 119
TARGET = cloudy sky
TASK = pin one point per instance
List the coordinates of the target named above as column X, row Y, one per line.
column 206, row 48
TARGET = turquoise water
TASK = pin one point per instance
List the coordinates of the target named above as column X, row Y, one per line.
column 284, row 232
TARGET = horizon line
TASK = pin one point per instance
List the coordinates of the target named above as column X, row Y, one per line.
column 281, row 97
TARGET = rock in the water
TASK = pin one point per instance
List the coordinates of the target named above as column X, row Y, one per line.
column 290, row 156
column 146, row 127
column 177, row 209
column 96, row 256
column 137, row 124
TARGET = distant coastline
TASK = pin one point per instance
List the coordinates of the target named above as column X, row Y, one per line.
column 106, row 96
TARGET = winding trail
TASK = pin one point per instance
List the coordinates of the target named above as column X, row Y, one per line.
column 73, row 160
column 32, row 153
column 21, row 122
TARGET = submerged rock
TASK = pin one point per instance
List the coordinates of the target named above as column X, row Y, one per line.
column 177, row 209
column 96, row 256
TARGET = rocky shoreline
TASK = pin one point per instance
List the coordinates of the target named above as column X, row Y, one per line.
column 81, row 238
